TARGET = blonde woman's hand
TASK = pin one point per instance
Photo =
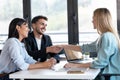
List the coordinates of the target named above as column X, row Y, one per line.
column 70, row 65
column 77, row 65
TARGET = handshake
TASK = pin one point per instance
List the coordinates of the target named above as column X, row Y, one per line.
column 54, row 49
column 58, row 48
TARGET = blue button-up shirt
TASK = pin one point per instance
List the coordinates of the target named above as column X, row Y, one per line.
column 14, row 57
column 108, row 53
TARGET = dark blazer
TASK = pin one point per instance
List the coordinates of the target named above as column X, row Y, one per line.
column 32, row 49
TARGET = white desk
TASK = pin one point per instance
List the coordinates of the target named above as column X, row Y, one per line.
column 52, row 74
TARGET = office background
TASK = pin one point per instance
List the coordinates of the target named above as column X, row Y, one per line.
column 70, row 21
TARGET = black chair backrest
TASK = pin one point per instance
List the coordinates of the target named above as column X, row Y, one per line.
column 0, row 51
column 107, row 76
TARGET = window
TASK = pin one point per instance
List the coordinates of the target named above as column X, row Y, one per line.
column 9, row 10
column 56, row 11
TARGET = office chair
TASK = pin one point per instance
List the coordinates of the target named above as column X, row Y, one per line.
column 108, row 76
column 0, row 51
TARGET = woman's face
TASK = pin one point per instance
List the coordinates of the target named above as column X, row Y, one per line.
column 23, row 31
column 94, row 22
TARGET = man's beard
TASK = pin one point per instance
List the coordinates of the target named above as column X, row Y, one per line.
column 39, row 33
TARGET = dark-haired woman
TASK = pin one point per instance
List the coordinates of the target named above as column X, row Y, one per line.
column 14, row 56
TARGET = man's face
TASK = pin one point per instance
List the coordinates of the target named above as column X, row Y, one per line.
column 40, row 26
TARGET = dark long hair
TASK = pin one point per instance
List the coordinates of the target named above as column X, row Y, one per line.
column 12, row 27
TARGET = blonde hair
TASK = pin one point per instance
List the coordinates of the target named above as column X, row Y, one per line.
column 104, row 22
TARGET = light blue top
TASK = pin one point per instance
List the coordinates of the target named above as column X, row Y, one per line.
column 107, row 51
column 14, row 57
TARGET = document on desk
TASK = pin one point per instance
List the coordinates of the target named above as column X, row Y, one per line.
column 76, row 70
column 70, row 70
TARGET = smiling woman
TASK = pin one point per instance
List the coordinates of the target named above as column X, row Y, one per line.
column 23, row 31
column 14, row 56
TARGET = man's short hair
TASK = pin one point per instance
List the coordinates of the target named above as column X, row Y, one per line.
column 36, row 18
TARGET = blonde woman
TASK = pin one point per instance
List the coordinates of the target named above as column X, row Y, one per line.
column 107, row 46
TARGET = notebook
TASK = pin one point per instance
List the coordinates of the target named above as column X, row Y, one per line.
column 75, row 56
